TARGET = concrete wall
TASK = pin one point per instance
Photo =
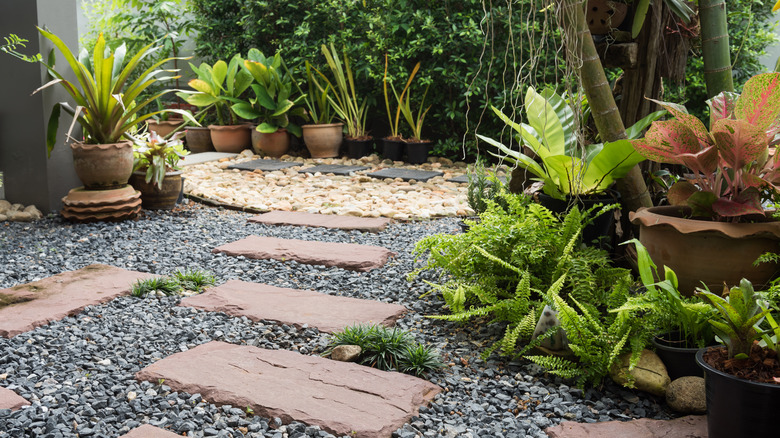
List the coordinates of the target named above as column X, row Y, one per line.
column 29, row 177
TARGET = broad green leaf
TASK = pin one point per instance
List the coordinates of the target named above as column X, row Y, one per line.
column 245, row 111
column 202, row 86
column 219, row 72
column 542, row 117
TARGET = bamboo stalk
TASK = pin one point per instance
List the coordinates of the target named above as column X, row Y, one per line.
column 715, row 47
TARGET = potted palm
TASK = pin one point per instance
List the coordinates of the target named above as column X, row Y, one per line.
column 272, row 104
column 218, row 85
column 105, row 108
column 156, row 173
column 715, row 226
column 322, row 137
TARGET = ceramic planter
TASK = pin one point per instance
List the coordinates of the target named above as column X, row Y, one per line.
column 198, row 139
column 271, row 145
column 103, row 166
column 417, row 151
column 154, row 198
column 230, row 138
column 163, row 128
column 323, row 141
column 359, row 148
column 604, row 15
column 601, row 228
column 738, row 407
column 707, row 251
column 393, row 149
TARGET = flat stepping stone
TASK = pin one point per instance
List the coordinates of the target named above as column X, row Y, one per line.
column 464, row 179
column 264, row 165
column 336, row 169
column 204, row 157
column 327, row 313
column 149, row 431
column 342, row 398
column 342, row 255
column 692, row 426
column 405, row 174
column 279, row 217
column 11, row 400
column 26, row 306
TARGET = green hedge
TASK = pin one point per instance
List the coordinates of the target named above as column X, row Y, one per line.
column 445, row 36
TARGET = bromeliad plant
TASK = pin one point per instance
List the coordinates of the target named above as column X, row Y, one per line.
column 732, row 170
column 218, row 86
column 566, row 168
column 106, row 107
column 156, row 155
column 273, row 103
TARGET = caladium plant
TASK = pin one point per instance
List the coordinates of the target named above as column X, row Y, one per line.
column 732, row 170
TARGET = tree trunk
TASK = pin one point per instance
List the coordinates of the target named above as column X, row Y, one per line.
column 605, row 112
column 715, row 46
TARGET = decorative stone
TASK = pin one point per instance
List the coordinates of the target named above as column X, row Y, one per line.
column 327, row 313
column 11, row 400
column 556, row 342
column 264, row 165
column 686, row 395
column 321, row 220
column 343, row 255
column 346, row 353
column 26, row 306
column 149, row 431
column 336, row 169
column 405, row 174
column 692, row 426
column 649, row 374
column 342, row 398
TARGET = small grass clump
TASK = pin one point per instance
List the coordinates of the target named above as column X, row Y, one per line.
column 189, row 279
column 387, row 349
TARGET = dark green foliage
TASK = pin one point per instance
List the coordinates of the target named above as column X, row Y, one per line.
column 194, row 279
column 447, row 37
column 189, row 279
column 484, row 185
column 387, row 349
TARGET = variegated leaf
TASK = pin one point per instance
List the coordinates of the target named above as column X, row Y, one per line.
column 666, row 140
column 748, row 202
column 759, row 103
column 739, row 142
column 679, row 192
column 722, row 106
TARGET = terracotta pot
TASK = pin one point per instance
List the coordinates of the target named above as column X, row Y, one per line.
column 230, row 138
column 198, row 139
column 604, row 15
column 417, row 151
column 154, row 198
column 272, row 145
column 706, row 251
column 103, row 166
column 163, row 128
column 323, row 141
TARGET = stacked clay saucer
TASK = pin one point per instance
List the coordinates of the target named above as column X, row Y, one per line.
column 82, row 205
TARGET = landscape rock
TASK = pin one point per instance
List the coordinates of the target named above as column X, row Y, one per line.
column 692, row 426
column 149, row 431
column 686, row 395
column 18, row 212
column 5, row 206
column 340, row 397
column 649, row 374
column 11, row 400
column 346, row 353
column 298, row 218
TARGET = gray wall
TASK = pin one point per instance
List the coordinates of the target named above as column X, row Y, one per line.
column 29, row 177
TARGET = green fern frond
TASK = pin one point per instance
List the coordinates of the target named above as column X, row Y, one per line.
column 557, row 365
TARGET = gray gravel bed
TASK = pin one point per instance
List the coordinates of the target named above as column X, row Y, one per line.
column 78, row 372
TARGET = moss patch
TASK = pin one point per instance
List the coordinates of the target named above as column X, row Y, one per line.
column 7, row 300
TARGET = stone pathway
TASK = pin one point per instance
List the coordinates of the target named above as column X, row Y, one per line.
column 342, row 255
column 147, row 431
column 373, row 225
column 692, row 426
column 341, row 397
column 327, row 313
column 11, row 400
column 26, row 306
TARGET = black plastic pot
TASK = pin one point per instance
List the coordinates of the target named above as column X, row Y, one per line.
column 738, row 407
column 359, row 148
column 680, row 360
column 417, row 152
column 393, row 149
column 464, row 227
column 601, row 228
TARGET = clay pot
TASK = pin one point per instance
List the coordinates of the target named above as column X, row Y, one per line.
column 198, row 139
column 230, row 138
column 604, row 15
column 163, row 128
column 154, row 198
column 707, row 251
column 103, row 166
column 323, row 141
column 271, row 145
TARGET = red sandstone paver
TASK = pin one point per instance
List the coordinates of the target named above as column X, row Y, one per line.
column 11, row 400
column 293, row 306
column 692, row 426
column 300, row 218
column 343, row 255
column 53, row 298
column 342, row 398
column 148, row 431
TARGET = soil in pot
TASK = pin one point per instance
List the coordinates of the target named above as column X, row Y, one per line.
column 230, row 138
column 198, row 139
column 323, row 141
column 679, row 358
column 393, row 148
column 417, row 151
column 359, row 147
column 271, row 145
column 154, row 198
column 737, row 407
column 103, row 166
column 602, row 228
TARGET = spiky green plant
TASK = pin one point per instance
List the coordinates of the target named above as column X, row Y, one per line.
column 194, row 279
column 142, row 288
column 418, row 361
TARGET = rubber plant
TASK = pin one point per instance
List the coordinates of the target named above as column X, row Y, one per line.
column 732, row 171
